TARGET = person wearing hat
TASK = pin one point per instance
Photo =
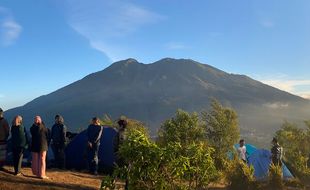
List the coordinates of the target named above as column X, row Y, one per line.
column 4, row 134
column 94, row 133
column 276, row 153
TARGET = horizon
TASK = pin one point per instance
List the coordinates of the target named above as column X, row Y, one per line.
column 60, row 42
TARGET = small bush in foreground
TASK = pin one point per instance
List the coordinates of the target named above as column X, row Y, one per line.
column 241, row 176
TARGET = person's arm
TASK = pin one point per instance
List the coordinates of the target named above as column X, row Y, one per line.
column 64, row 132
column 7, row 129
column 26, row 137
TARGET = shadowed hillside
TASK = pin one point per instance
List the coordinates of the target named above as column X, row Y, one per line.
column 153, row 92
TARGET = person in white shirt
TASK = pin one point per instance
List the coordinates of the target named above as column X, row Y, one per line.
column 242, row 151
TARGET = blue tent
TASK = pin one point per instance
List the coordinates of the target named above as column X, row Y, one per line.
column 76, row 152
column 260, row 159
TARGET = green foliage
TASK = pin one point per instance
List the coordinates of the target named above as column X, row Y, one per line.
column 275, row 177
column 184, row 162
column 296, row 145
column 294, row 183
column 240, row 176
column 144, row 158
column 107, row 120
column 107, row 183
column 183, row 128
column 222, row 130
column 192, row 165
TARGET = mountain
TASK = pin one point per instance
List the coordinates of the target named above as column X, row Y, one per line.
column 153, row 92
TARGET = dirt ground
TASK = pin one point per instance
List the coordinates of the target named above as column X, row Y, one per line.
column 59, row 180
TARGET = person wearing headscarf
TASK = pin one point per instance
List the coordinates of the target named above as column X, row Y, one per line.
column 19, row 143
column 58, row 141
column 4, row 134
column 39, row 147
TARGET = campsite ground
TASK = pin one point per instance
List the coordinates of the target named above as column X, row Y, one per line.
column 69, row 180
column 59, row 180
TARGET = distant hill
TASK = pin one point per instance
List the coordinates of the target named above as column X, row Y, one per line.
column 153, row 92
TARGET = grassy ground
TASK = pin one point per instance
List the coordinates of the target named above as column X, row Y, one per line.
column 71, row 180
column 59, row 180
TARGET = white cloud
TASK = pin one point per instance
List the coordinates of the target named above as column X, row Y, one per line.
column 300, row 87
column 10, row 30
column 175, row 46
column 276, row 105
column 107, row 23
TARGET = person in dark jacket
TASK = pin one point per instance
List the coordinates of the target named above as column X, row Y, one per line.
column 4, row 134
column 276, row 153
column 19, row 143
column 119, row 139
column 94, row 133
column 58, row 141
column 39, row 147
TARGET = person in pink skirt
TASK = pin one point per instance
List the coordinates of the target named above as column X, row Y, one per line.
column 39, row 147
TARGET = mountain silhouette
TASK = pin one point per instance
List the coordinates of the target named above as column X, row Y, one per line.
column 153, row 92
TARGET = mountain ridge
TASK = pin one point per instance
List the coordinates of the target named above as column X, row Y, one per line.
column 153, row 92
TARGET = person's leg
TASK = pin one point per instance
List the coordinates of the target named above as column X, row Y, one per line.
column 34, row 163
column 62, row 156
column 42, row 164
column 95, row 161
column 55, row 152
column 90, row 158
column 20, row 159
column 2, row 153
column 15, row 159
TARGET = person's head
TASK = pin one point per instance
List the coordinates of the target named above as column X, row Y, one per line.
column 37, row 120
column 1, row 113
column 95, row 121
column 241, row 142
column 59, row 119
column 274, row 140
column 17, row 121
column 122, row 123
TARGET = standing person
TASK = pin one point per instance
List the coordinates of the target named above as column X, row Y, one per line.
column 242, row 151
column 19, row 143
column 4, row 134
column 39, row 147
column 276, row 152
column 118, row 141
column 94, row 133
column 119, row 138
column 58, row 141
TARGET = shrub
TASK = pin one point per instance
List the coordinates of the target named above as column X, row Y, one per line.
column 240, row 176
column 276, row 177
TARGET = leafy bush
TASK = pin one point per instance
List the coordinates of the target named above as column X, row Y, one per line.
column 240, row 175
column 221, row 125
column 183, row 128
column 296, row 145
column 181, row 160
column 275, row 177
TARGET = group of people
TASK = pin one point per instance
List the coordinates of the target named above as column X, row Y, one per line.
column 42, row 137
column 276, row 152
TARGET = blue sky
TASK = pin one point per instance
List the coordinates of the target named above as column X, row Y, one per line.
column 45, row 45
